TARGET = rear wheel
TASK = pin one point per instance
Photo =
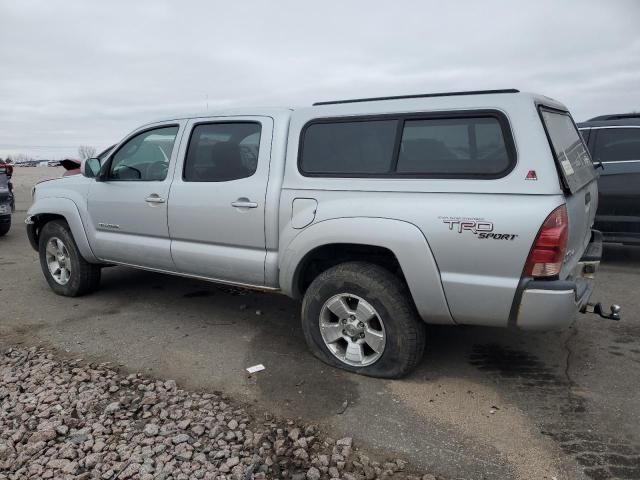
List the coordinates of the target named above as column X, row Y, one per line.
column 359, row 317
column 66, row 271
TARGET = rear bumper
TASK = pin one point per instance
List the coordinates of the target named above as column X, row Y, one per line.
column 553, row 304
column 5, row 218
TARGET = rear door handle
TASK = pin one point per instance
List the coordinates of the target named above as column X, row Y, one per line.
column 244, row 203
column 154, row 198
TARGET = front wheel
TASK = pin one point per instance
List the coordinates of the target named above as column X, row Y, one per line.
column 359, row 317
column 66, row 271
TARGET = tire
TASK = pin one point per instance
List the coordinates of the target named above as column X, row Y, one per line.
column 5, row 227
column 82, row 277
column 344, row 288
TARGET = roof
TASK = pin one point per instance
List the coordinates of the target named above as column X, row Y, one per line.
column 420, row 95
column 232, row 112
column 615, row 116
column 630, row 121
column 423, row 101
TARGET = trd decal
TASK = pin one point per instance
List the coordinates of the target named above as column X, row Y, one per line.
column 479, row 227
column 498, row 236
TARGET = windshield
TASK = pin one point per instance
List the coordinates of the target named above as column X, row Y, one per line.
column 569, row 149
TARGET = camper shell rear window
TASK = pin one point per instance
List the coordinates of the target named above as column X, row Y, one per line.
column 569, row 149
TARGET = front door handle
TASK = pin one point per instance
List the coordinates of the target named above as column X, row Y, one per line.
column 154, row 198
column 244, row 202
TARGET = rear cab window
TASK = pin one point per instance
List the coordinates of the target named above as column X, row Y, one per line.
column 222, row 152
column 569, row 149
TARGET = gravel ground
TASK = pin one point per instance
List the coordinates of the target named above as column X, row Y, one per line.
column 73, row 420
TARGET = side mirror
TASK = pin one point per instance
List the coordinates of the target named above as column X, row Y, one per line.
column 597, row 163
column 90, row 167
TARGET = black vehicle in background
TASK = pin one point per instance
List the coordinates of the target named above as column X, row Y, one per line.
column 6, row 203
column 614, row 143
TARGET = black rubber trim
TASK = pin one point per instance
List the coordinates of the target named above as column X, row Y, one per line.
column 551, row 285
column 517, row 299
column 422, row 95
column 32, row 236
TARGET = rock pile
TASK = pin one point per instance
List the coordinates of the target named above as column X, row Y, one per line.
column 71, row 420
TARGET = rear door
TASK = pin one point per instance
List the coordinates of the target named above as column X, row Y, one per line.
column 618, row 148
column 578, row 178
column 217, row 200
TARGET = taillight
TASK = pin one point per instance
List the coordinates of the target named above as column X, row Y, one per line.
column 547, row 254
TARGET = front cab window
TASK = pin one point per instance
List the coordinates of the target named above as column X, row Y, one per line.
column 145, row 157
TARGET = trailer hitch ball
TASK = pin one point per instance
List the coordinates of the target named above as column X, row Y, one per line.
column 614, row 311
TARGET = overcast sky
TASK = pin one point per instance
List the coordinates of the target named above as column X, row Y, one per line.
column 87, row 72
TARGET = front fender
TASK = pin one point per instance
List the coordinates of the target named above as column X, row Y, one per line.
column 69, row 210
column 404, row 239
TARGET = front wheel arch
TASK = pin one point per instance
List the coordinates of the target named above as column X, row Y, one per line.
column 59, row 208
column 37, row 222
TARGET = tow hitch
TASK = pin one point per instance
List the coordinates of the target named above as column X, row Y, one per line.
column 614, row 311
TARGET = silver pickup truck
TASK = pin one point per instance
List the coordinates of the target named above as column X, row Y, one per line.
column 381, row 215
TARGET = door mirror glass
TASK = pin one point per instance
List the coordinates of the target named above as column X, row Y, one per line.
column 90, row 167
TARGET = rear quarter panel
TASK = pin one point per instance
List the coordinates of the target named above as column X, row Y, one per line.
column 479, row 274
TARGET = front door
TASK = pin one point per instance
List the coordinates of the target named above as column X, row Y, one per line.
column 217, row 200
column 127, row 205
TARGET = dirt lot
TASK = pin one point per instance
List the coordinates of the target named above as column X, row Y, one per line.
column 485, row 403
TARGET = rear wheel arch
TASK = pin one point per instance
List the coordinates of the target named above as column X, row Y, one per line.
column 326, row 256
column 396, row 245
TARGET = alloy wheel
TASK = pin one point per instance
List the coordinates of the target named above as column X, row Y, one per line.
column 352, row 330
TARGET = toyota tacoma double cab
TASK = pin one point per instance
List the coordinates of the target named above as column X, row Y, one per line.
column 381, row 215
